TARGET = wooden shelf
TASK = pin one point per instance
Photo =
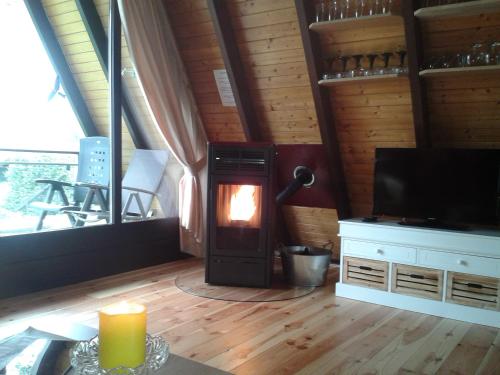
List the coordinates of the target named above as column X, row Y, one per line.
column 468, row 8
column 458, row 71
column 340, row 81
column 377, row 20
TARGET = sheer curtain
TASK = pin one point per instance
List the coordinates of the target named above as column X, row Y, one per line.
column 168, row 94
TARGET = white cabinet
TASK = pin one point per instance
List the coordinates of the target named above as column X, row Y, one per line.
column 454, row 274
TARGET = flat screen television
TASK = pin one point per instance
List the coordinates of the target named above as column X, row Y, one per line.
column 453, row 186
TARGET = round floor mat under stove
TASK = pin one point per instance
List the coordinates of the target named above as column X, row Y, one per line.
column 194, row 283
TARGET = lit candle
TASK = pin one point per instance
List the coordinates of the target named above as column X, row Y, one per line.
column 122, row 335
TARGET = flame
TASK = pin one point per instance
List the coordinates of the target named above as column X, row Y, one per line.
column 243, row 203
column 123, row 307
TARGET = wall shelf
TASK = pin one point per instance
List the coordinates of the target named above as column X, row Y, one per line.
column 340, row 81
column 468, row 8
column 378, row 20
column 458, row 71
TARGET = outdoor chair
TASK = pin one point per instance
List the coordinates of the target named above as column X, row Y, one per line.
column 139, row 187
column 93, row 169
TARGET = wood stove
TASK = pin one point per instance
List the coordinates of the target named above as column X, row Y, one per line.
column 240, row 214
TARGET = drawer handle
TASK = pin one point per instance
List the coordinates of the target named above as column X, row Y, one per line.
column 413, row 276
column 461, row 262
column 380, row 251
column 473, row 285
column 365, row 268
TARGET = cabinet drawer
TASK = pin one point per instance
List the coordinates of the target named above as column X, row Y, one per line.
column 472, row 290
column 380, row 251
column 460, row 262
column 364, row 272
column 417, row 281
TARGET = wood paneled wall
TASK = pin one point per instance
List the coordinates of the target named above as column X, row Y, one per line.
column 368, row 114
column 464, row 109
column 271, row 49
column 200, row 52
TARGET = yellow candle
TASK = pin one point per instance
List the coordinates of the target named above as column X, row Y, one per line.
column 122, row 335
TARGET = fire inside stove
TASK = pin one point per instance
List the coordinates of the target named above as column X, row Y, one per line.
column 239, row 216
column 239, row 205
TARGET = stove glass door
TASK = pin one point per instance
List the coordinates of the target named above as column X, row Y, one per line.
column 238, row 218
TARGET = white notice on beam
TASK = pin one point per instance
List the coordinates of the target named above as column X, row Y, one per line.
column 224, row 87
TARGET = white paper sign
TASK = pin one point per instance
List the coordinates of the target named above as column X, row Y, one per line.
column 224, row 87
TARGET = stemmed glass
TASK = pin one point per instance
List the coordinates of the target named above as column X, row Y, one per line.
column 386, row 56
column 342, row 9
column 358, row 71
column 333, row 10
column 360, row 8
column 401, row 68
column 347, row 7
column 329, row 71
column 386, row 6
column 320, row 11
column 371, row 59
column 344, row 60
column 495, row 53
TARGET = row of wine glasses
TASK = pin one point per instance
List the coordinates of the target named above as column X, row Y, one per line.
column 330, row 10
column 362, row 70
column 480, row 54
column 433, row 3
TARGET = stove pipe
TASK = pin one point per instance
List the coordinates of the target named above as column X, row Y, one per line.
column 303, row 177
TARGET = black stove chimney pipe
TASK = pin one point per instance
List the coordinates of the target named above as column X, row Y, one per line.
column 303, row 176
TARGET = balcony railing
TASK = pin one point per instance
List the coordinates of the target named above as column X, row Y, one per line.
column 14, row 217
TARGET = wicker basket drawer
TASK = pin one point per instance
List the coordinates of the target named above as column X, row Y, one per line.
column 471, row 290
column 417, row 281
column 368, row 273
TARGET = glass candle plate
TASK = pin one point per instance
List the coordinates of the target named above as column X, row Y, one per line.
column 85, row 358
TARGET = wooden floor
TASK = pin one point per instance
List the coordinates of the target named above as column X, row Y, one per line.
column 315, row 334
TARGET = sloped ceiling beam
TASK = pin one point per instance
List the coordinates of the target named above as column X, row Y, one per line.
column 56, row 56
column 321, row 96
column 234, row 66
column 99, row 40
column 414, row 46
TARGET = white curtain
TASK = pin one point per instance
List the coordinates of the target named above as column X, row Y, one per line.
column 168, row 94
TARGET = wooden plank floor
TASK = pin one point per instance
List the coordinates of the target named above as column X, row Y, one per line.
column 315, row 334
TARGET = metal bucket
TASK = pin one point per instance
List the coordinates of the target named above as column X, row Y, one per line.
column 305, row 265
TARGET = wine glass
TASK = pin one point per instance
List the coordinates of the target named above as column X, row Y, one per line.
column 347, row 8
column 344, row 60
column 333, row 10
column 495, row 53
column 358, row 71
column 386, row 56
column 320, row 11
column 361, row 7
column 386, row 6
column 329, row 71
column 479, row 55
column 371, row 59
column 401, row 68
column 342, row 9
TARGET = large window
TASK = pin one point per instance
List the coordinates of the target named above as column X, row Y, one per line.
column 42, row 126
column 39, row 132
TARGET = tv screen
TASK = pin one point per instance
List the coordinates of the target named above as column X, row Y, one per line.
column 448, row 185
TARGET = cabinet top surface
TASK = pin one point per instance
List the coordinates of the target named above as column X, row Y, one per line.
column 389, row 224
